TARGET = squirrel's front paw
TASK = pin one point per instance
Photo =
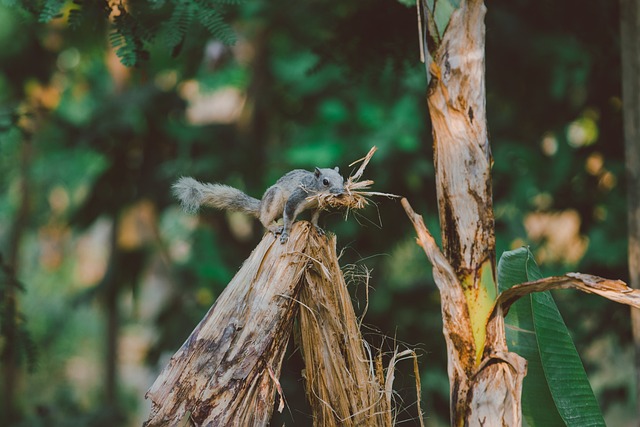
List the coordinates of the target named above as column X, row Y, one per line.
column 320, row 231
column 284, row 237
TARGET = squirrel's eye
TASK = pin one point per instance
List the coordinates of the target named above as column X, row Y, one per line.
column 325, row 181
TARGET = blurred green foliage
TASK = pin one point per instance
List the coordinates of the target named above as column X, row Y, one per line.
column 305, row 84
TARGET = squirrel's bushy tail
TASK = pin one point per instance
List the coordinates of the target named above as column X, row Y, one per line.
column 193, row 194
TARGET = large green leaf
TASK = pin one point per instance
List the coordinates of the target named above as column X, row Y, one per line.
column 517, row 267
column 562, row 366
column 556, row 390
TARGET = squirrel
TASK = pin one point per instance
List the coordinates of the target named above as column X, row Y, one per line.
column 285, row 199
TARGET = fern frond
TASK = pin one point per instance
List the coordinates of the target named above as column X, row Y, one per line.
column 124, row 48
column 127, row 41
column 173, row 31
column 227, row 2
column 157, row 4
column 214, row 22
column 92, row 12
column 76, row 18
column 51, row 9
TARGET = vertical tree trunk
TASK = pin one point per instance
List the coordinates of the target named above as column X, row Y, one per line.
column 111, row 344
column 109, row 287
column 462, row 159
column 630, row 35
column 10, row 360
column 485, row 379
column 462, row 156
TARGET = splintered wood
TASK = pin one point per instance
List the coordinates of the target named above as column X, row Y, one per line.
column 226, row 373
column 221, row 374
column 340, row 384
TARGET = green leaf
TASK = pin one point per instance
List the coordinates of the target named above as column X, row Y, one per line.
column 563, row 368
column 556, row 380
column 517, row 267
column 50, row 10
column 174, row 30
column 442, row 12
column 128, row 37
column 214, row 22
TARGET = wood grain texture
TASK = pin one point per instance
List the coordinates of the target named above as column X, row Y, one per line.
column 222, row 374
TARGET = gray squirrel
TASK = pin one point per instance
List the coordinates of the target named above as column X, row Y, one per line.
column 285, row 199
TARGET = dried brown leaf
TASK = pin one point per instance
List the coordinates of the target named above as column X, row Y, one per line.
column 615, row 290
column 356, row 194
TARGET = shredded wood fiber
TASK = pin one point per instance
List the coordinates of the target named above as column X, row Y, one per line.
column 356, row 194
column 341, row 382
column 346, row 385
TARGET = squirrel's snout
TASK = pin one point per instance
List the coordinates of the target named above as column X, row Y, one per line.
column 337, row 191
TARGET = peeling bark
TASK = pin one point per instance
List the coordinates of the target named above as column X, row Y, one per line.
column 223, row 375
column 461, row 148
column 339, row 374
column 484, row 394
column 486, row 380
column 462, row 159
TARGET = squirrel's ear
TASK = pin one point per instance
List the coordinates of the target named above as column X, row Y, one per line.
column 336, row 169
column 317, row 172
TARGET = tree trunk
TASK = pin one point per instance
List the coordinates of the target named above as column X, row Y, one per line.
column 110, row 284
column 485, row 379
column 10, row 362
column 226, row 373
column 630, row 37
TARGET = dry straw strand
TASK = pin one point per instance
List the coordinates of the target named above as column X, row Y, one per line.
column 356, row 193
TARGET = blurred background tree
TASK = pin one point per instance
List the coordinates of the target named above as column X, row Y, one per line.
column 115, row 276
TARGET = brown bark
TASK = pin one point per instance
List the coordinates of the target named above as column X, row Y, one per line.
column 630, row 40
column 461, row 148
column 486, row 394
column 338, row 371
column 10, row 363
column 226, row 373
column 614, row 290
column 480, row 366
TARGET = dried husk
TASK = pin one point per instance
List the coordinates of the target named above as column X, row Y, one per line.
column 356, row 193
column 340, row 380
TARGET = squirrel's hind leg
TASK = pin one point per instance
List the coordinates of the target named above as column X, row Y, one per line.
column 271, row 208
